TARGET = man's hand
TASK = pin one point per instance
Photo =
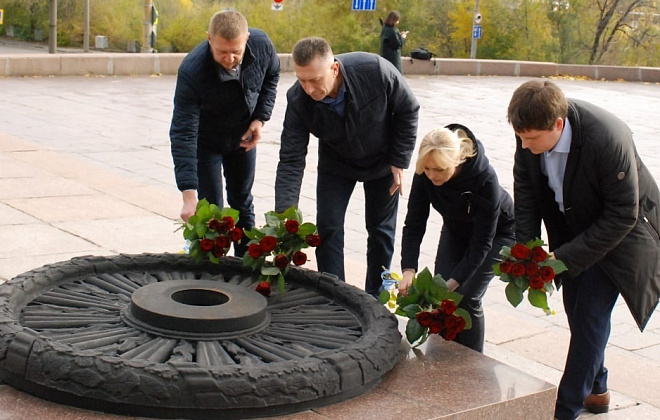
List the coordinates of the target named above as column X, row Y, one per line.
column 397, row 174
column 406, row 281
column 452, row 285
column 189, row 204
column 252, row 136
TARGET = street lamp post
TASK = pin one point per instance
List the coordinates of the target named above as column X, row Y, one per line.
column 473, row 48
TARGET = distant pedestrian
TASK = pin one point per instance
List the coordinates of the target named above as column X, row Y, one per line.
column 454, row 177
column 577, row 170
column 364, row 115
column 225, row 92
column 392, row 40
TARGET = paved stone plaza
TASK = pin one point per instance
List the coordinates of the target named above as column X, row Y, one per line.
column 85, row 169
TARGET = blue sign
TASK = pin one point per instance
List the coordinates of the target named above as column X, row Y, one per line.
column 476, row 32
column 364, row 5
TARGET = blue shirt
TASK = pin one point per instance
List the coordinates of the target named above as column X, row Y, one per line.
column 337, row 104
column 553, row 163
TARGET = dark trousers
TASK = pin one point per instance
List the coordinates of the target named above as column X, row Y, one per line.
column 332, row 197
column 238, row 169
column 588, row 300
column 451, row 249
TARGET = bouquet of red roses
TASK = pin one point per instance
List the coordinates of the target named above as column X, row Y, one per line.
column 211, row 231
column 528, row 267
column 430, row 308
column 282, row 240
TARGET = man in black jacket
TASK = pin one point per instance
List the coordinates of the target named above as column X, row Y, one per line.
column 365, row 116
column 225, row 92
column 577, row 170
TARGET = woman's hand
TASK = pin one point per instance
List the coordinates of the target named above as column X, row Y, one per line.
column 452, row 285
column 406, row 281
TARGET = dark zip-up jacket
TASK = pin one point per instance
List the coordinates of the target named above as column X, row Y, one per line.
column 378, row 131
column 473, row 206
column 211, row 114
column 611, row 216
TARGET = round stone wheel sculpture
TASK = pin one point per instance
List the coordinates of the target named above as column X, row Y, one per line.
column 108, row 334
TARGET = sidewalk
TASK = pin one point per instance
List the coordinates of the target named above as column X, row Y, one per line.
column 85, row 168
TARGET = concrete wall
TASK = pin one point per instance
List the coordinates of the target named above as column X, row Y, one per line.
column 116, row 64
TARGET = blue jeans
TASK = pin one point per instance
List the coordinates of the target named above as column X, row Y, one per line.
column 332, row 197
column 238, row 167
column 451, row 249
column 588, row 300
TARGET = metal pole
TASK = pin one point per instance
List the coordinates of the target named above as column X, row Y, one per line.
column 52, row 36
column 473, row 49
column 148, row 27
column 86, row 31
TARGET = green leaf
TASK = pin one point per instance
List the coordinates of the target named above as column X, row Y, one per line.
column 414, row 331
column 513, row 294
column 200, row 230
column 384, row 297
column 466, row 316
column 280, row 282
column 496, row 269
column 228, row 211
column 272, row 219
column 557, row 265
column 505, row 251
column 253, row 234
column 423, row 281
column 412, row 310
column 270, row 270
column 506, row 277
column 306, row 229
column 214, row 259
column 534, row 242
column 538, row 298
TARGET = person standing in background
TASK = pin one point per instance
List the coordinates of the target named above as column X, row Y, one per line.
column 391, row 40
column 225, row 92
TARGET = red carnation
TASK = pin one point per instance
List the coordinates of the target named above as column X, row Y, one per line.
column 536, row 282
column 281, row 261
column 292, row 226
column 264, row 288
column 255, row 251
column 214, row 224
column 424, row 318
column 506, row 266
column 448, row 306
column 236, row 234
column 518, row 270
column 299, row 258
column 268, row 243
column 520, row 251
column 313, row 240
column 539, row 254
column 206, row 244
column 547, row 273
column 532, row 268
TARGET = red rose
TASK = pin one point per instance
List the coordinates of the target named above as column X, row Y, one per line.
column 281, row 261
column 213, row 224
column 255, row 251
column 268, row 243
column 547, row 273
column 264, row 288
column 299, row 258
column 449, row 335
column 532, row 268
column 505, row 266
column 227, row 223
column 206, row 244
column 236, row 234
column 218, row 251
column 424, row 318
column 519, row 251
column 536, row 282
column 448, row 306
column 538, row 254
column 435, row 327
column 222, row 241
column 313, row 240
column 292, row 226
column 518, row 270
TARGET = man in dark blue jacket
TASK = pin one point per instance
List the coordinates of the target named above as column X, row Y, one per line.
column 365, row 116
column 225, row 92
column 577, row 170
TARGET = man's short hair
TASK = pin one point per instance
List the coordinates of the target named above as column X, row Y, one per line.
column 536, row 105
column 228, row 24
column 307, row 49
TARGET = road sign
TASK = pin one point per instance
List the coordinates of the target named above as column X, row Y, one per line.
column 362, row 5
column 2, row 16
column 476, row 32
column 277, row 5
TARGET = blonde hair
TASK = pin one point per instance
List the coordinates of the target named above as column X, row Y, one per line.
column 228, row 24
column 447, row 148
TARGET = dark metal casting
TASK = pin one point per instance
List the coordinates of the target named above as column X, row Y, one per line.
column 159, row 335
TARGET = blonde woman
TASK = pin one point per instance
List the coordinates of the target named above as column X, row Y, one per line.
column 454, row 177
